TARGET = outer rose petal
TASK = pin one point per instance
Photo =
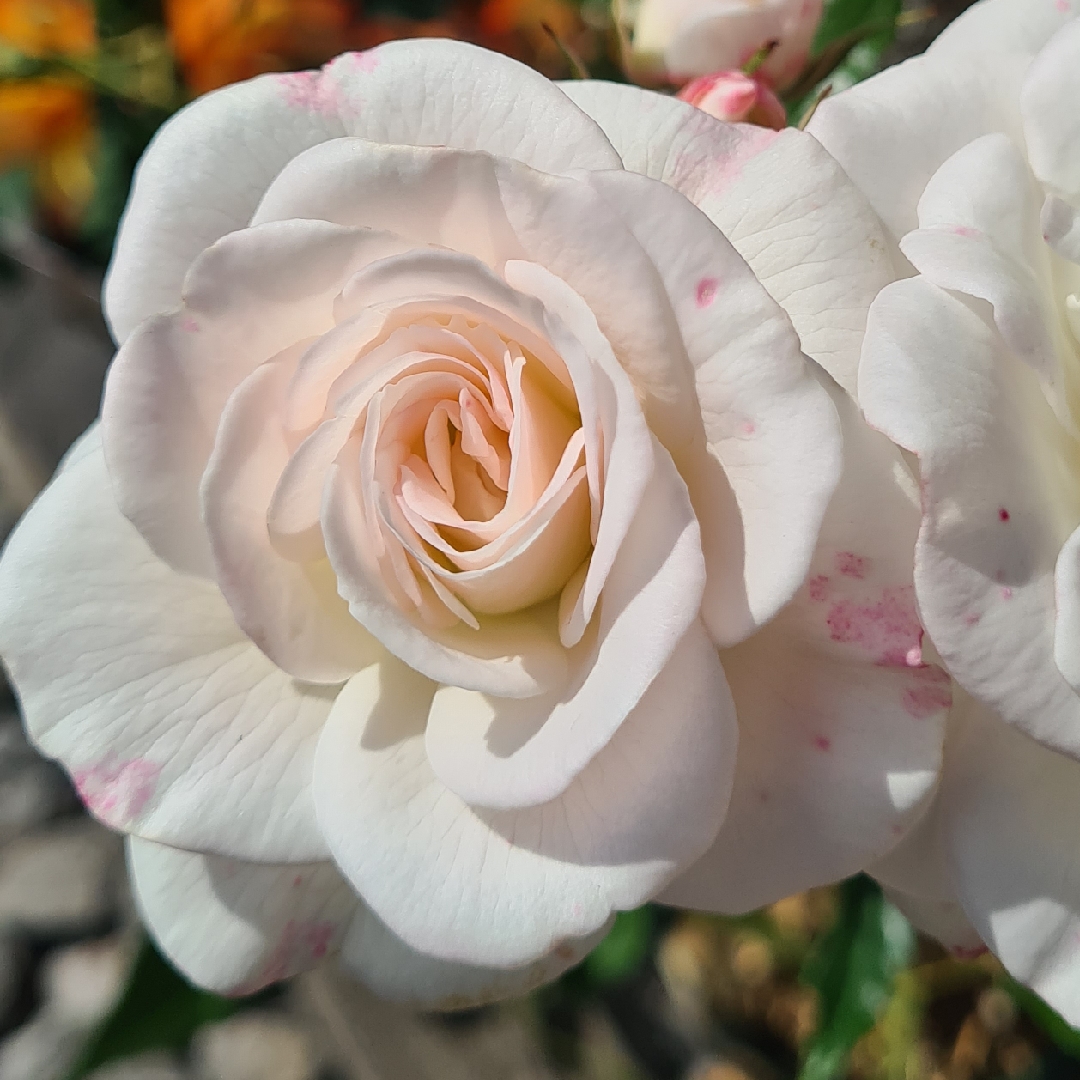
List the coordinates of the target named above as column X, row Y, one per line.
column 397, row 972
column 502, row 888
column 139, row 680
column 787, row 207
column 247, row 298
column 1019, row 27
column 234, row 927
column 767, row 421
column 997, row 507
column 879, row 131
column 209, row 166
column 1007, row 820
column 1051, row 124
column 841, row 719
column 941, row 919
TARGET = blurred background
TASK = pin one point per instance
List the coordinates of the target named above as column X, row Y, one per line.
column 831, row 983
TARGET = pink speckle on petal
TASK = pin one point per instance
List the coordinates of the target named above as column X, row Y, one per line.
column 298, row 881
column 366, row 61
column 727, row 170
column 1063, row 6
column 851, row 565
column 748, row 427
column 117, row 791
column 972, row 619
column 1003, row 514
column 310, row 90
column 822, row 742
column 1006, row 593
column 818, row 588
column 705, row 293
column 964, row 230
column 885, row 628
column 189, row 325
column 298, row 947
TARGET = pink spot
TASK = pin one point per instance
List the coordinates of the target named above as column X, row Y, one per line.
column 189, row 325
column 1003, row 514
column 931, row 694
column 705, row 293
column 851, row 565
column 117, row 791
column 748, row 427
column 366, row 61
column 310, row 90
column 968, row 952
column 964, row 230
column 1006, row 593
column 887, row 629
column 1062, row 6
column 818, row 587
column 822, row 742
column 914, row 656
column 298, row 881
column 972, row 619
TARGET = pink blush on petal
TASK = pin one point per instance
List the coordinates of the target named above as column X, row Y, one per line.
column 851, row 565
column 116, row 792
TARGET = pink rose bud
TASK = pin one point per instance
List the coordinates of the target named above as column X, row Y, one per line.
column 736, row 97
column 680, row 39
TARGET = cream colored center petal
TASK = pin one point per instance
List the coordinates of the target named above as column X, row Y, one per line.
column 469, row 457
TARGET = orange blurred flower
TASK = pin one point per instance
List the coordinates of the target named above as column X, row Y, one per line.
column 48, row 124
column 223, row 41
column 516, row 27
column 40, row 28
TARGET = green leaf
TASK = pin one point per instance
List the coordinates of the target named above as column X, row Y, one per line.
column 851, row 39
column 624, row 949
column 1054, row 1026
column 853, row 968
column 158, row 1010
column 16, row 195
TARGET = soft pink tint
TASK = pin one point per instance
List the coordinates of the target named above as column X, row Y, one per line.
column 298, row 944
column 310, row 90
column 117, row 791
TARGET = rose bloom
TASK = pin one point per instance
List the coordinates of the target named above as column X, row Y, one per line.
column 971, row 155
column 466, row 550
column 680, row 39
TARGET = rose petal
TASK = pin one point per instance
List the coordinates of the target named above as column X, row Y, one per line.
column 503, row 888
column 499, row 753
column 209, row 166
column 139, row 680
column 234, row 927
column 291, row 610
column 247, row 298
column 940, row 382
column 841, row 718
column 759, row 402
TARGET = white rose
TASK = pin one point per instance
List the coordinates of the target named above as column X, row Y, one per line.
column 971, row 155
column 459, row 485
column 684, row 38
